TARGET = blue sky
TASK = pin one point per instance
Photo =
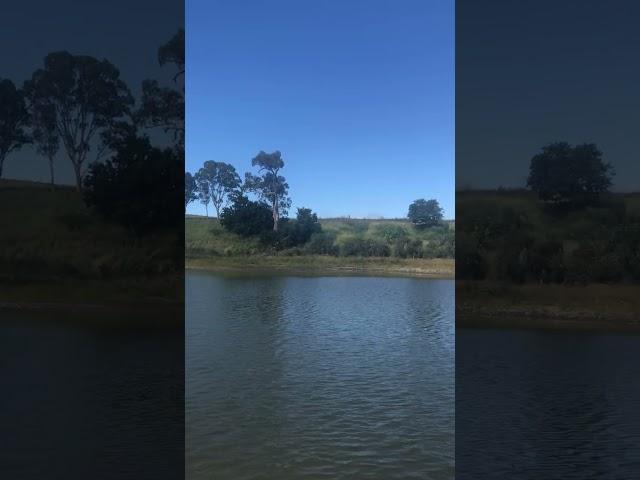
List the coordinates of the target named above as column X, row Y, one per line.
column 357, row 95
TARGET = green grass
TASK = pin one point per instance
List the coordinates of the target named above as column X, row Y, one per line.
column 53, row 247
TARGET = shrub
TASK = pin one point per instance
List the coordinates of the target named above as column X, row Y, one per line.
column 390, row 232
column 363, row 247
column 246, row 217
column 322, row 243
column 139, row 187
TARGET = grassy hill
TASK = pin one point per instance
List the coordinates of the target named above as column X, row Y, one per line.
column 208, row 244
column 53, row 248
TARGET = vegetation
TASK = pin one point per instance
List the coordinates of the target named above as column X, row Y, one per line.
column 69, row 250
column 341, row 237
column 574, row 175
column 261, row 228
column 118, row 233
column 425, row 213
column 512, row 236
column 13, row 120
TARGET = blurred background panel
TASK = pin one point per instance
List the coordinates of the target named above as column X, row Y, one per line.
column 548, row 235
column 92, row 239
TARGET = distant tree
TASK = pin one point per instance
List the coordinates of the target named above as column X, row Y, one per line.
column 13, row 120
column 87, row 96
column 222, row 180
column 190, row 189
column 202, row 189
column 568, row 174
column 163, row 107
column 270, row 186
column 425, row 213
column 138, row 187
column 246, row 217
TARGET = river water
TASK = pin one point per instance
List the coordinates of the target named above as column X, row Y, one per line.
column 88, row 399
column 319, row 377
column 547, row 405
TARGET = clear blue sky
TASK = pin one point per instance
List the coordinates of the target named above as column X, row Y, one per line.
column 357, row 95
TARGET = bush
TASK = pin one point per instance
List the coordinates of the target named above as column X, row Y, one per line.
column 297, row 232
column 322, row 243
column 246, row 217
column 139, row 187
column 390, row 232
column 363, row 247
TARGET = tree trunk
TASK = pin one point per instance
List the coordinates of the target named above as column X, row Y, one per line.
column 53, row 187
column 275, row 215
column 77, row 169
column 206, row 209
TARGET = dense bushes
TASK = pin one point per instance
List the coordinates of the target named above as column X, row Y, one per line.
column 139, row 187
column 363, row 247
column 246, row 217
column 517, row 239
column 345, row 237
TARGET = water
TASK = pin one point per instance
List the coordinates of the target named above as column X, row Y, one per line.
column 85, row 401
column 547, row 405
column 332, row 377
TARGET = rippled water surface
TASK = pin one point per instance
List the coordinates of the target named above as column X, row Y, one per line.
column 333, row 377
column 92, row 402
column 547, row 405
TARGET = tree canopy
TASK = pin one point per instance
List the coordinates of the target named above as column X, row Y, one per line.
column 83, row 95
column 563, row 173
column 14, row 120
column 220, row 179
column 425, row 213
column 190, row 189
column 270, row 186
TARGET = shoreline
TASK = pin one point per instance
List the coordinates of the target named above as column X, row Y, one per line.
column 130, row 300
column 326, row 266
column 587, row 308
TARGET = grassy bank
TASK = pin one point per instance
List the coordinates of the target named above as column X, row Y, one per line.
column 575, row 307
column 209, row 246
column 327, row 265
column 53, row 249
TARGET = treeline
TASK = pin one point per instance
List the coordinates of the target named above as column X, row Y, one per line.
column 266, row 217
column 78, row 105
column 568, row 228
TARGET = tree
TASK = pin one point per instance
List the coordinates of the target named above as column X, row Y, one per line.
column 425, row 213
column 222, row 180
column 246, row 217
column 86, row 96
column 45, row 134
column 163, row 107
column 13, row 120
column 271, row 186
column 138, row 187
column 306, row 225
column 190, row 189
column 562, row 173
column 202, row 189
